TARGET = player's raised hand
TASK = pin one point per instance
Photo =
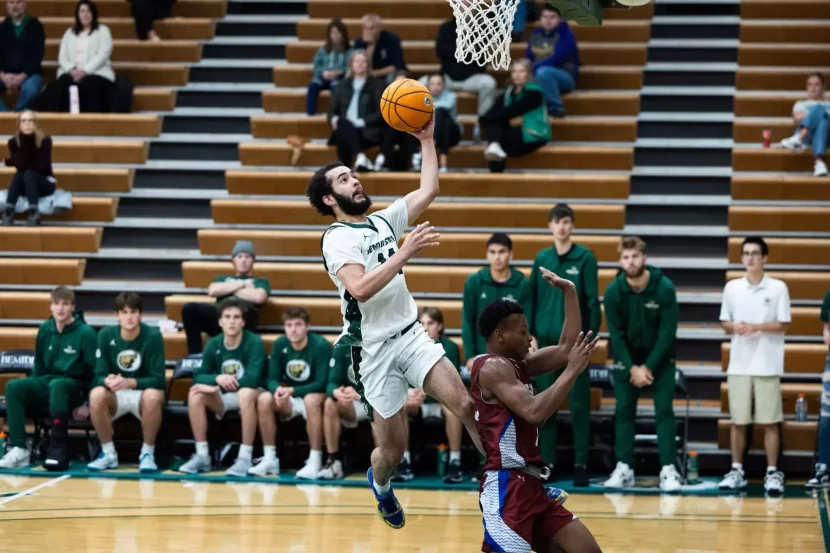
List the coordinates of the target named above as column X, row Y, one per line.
column 555, row 280
column 424, row 236
column 427, row 132
column 582, row 352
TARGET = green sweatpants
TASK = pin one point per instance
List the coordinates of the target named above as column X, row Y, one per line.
column 37, row 396
column 580, row 407
column 626, row 395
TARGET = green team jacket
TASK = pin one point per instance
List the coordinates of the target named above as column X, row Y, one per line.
column 70, row 353
column 579, row 265
column 246, row 361
column 306, row 370
column 258, row 283
column 642, row 327
column 824, row 314
column 340, row 370
column 141, row 359
column 480, row 290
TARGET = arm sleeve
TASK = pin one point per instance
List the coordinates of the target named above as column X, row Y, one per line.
column 340, row 250
column 375, row 117
column 565, row 48
column 253, row 365
column 335, row 372
column 468, row 320
column 319, row 64
column 263, row 284
column 725, row 306
column 206, row 373
column 398, row 216
column 102, row 57
column 667, row 332
column 615, row 328
column 38, row 368
column 275, row 368
column 322, row 359
column 530, row 100
column 335, row 108
column 44, row 158
column 89, row 347
column 102, row 361
column 155, row 362
column 783, row 315
column 453, row 354
column 824, row 314
column 526, row 300
column 65, row 60
column 34, row 59
column 14, row 159
column 395, row 51
column 590, row 290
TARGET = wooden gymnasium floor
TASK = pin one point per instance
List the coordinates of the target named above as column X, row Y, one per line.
column 68, row 515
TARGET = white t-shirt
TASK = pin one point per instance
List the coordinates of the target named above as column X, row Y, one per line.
column 806, row 105
column 370, row 244
column 760, row 353
column 81, row 48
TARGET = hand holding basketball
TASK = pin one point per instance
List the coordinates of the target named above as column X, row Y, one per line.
column 427, row 132
column 406, row 105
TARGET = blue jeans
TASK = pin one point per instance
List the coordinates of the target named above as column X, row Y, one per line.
column 816, row 123
column 314, row 89
column 29, row 90
column 824, row 418
column 554, row 82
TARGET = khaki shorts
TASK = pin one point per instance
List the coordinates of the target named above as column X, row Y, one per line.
column 766, row 391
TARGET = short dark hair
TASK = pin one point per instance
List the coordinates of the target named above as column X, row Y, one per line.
column 63, row 293
column 231, row 303
column 295, row 312
column 494, row 315
column 560, row 211
column 129, row 299
column 501, row 239
column 756, row 240
column 550, row 8
column 632, row 243
column 319, row 186
column 817, row 75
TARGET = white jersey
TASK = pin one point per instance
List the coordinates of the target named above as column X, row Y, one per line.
column 370, row 244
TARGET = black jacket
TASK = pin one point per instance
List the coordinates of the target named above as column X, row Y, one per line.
column 445, row 51
column 388, row 50
column 24, row 54
column 368, row 106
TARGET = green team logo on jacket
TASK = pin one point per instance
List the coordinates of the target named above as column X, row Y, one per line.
column 129, row 360
column 234, row 368
column 298, row 370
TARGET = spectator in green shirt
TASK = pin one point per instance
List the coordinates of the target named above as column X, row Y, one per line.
column 129, row 378
column 253, row 293
column 296, row 387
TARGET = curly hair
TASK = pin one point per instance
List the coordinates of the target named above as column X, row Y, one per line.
column 495, row 314
column 320, row 186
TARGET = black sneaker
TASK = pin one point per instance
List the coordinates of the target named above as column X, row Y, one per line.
column 56, row 457
column 581, row 476
column 820, row 479
column 453, row 475
column 403, row 473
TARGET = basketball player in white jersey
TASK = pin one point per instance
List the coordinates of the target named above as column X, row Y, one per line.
column 389, row 347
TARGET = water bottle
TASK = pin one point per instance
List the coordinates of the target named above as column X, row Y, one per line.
column 3, row 443
column 801, row 409
column 443, row 457
column 74, row 101
column 692, row 472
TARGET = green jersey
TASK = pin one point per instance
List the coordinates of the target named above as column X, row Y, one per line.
column 305, row 370
column 70, row 353
column 258, row 283
column 141, row 359
column 824, row 314
column 245, row 361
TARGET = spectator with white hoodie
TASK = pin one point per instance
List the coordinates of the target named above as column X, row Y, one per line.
column 812, row 123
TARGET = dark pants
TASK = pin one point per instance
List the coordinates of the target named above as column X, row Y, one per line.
column 147, row 11
column 39, row 396
column 349, row 141
column 94, row 94
column 203, row 317
column 33, row 185
column 579, row 400
column 314, row 88
column 511, row 142
column 397, row 148
column 447, row 133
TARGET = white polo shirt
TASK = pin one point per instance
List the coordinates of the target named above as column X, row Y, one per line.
column 760, row 353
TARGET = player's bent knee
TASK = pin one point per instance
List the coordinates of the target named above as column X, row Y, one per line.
column 151, row 399
column 314, row 401
column 98, row 397
column 331, row 407
column 265, row 402
column 247, row 397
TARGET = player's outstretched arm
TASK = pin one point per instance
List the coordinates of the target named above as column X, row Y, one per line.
column 418, row 201
column 553, row 357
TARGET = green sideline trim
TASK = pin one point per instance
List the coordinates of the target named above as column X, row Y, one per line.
column 823, row 501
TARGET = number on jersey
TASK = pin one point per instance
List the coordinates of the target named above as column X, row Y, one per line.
column 389, row 253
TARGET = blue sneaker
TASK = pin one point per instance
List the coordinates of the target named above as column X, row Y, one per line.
column 389, row 510
column 558, row 495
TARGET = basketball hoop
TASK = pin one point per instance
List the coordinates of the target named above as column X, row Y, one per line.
column 484, row 28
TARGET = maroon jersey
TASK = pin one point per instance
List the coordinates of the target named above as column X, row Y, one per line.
column 509, row 442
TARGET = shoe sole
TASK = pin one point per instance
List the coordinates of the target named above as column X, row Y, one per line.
column 94, row 469
column 370, row 478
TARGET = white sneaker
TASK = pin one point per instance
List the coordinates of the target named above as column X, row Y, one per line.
column 196, row 464
column 495, row 152
column 103, row 462
column 147, row 463
column 17, row 457
column 442, row 169
column 416, row 161
column 820, row 479
column 670, row 479
column 734, row 480
column 820, row 169
column 362, row 163
column 622, row 477
column 309, row 471
column 265, row 467
column 332, row 471
column 793, row 143
column 380, row 161
column 774, row 482
column 239, row 468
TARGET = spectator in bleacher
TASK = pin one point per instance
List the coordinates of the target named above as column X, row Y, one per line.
column 30, row 153
column 84, row 61
column 228, row 379
column 382, row 47
column 129, row 378
column 253, row 291
column 296, row 387
column 447, row 128
column 467, row 77
column 821, row 478
column 756, row 312
column 812, row 123
column 553, row 51
column 641, row 312
column 578, row 264
column 22, row 46
column 497, row 281
column 354, row 116
column 59, row 382
column 145, row 12
column 517, row 124
column 330, row 63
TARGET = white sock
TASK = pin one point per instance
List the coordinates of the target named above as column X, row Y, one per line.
column 316, row 456
column 246, row 452
column 455, row 456
column 109, row 449
column 202, row 449
column 382, row 490
column 406, row 457
column 149, row 449
column 771, row 468
column 270, row 452
column 738, row 466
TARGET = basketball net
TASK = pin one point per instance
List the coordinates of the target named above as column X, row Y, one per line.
column 484, row 28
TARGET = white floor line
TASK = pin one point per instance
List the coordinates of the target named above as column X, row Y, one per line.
column 33, row 489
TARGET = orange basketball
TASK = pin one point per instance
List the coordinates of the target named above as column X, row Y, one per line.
column 406, row 105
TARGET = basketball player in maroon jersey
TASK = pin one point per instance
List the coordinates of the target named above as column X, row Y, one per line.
column 520, row 515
